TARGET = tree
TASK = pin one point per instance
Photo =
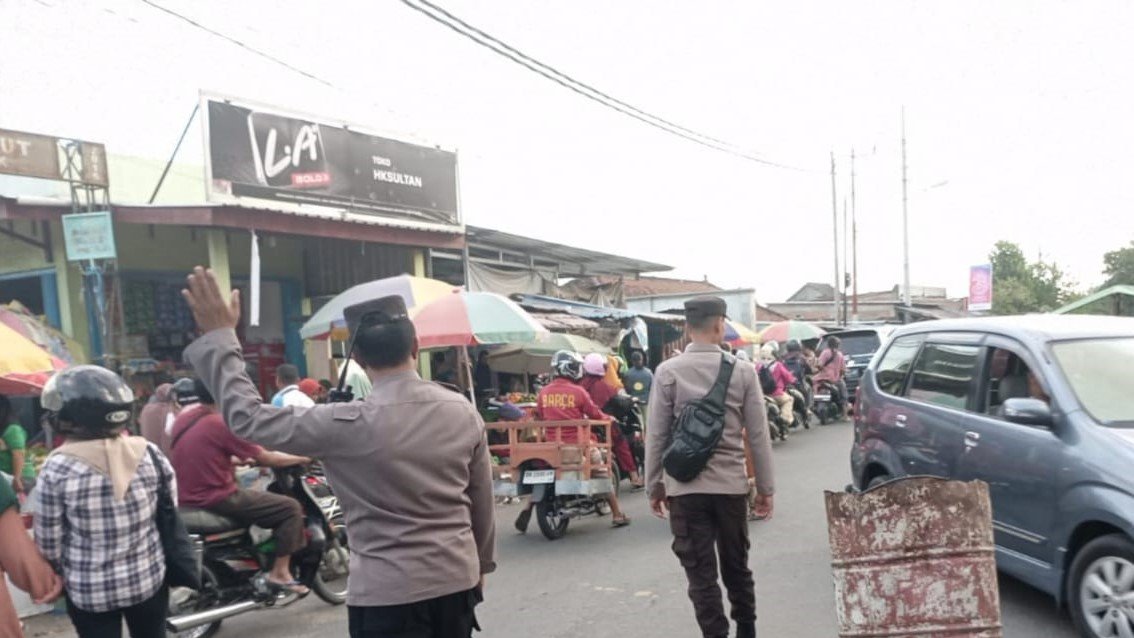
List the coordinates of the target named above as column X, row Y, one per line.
column 1020, row 286
column 1118, row 266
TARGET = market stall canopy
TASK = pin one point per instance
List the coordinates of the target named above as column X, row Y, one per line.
column 535, row 358
column 17, row 317
column 474, row 318
column 417, row 291
column 24, row 366
column 782, row 331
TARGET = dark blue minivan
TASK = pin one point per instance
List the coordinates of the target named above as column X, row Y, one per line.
column 1040, row 407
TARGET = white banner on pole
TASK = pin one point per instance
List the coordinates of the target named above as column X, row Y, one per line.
column 254, row 283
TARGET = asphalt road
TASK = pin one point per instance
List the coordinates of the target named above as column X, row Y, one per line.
column 600, row 582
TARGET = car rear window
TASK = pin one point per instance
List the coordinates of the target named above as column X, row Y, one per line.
column 895, row 364
column 943, row 375
column 856, row 344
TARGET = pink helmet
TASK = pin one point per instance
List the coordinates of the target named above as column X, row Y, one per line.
column 594, row 364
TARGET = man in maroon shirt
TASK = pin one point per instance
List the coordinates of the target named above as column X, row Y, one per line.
column 564, row 400
column 202, row 449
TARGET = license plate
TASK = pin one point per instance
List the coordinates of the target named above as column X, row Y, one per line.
column 536, row 477
column 822, row 397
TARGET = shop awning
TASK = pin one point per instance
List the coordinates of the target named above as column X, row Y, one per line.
column 332, row 225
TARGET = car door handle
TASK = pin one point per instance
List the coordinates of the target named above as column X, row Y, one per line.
column 900, row 420
column 972, row 439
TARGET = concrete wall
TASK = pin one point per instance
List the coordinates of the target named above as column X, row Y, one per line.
column 741, row 304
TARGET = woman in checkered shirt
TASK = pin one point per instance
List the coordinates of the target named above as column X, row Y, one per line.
column 97, row 500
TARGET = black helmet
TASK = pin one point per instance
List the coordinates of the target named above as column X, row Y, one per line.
column 88, row 398
column 794, row 346
column 190, row 391
column 567, row 364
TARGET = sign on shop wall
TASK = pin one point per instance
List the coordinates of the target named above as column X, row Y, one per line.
column 89, row 236
column 34, row 155
column 264, row 153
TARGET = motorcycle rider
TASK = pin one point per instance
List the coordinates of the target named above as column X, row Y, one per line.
column 784, row 379
column 202, row 449
column 797, row 364
column 595, row 383
column 832, row 367
column 565, row 400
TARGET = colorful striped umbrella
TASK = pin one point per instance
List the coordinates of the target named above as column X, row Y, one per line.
column 17, row 317
column 474, row 318
column 782, row 331
column 738, row 334
column 417, row 291
column 24, row 366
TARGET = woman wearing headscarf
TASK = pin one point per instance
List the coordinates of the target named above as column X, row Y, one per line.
column 157, row 415
column 98, row 494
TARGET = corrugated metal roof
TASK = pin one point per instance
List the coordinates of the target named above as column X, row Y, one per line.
column 583, row 261
column 541, row 303
column 562, row 321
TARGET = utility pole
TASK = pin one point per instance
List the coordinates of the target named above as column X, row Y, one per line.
column 905, row 222
column 854, row 244
column 846, row 270
column 835, row 228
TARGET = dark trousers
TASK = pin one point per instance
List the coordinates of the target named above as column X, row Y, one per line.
column 704, row 527
column 145, row 620
column 451, row 616
column 281, row 514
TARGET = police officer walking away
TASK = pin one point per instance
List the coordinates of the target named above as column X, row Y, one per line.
column 708, row 515
column 410, row 466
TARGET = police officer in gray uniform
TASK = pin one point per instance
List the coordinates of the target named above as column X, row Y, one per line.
column 410, row 465
column 709, row 514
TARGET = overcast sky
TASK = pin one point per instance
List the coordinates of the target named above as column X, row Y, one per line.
column 1023, row 108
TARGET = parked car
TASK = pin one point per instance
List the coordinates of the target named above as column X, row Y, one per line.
column 859, row 346
column 1039, row 407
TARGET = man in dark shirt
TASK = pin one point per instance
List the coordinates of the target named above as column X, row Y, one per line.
column 202, row 449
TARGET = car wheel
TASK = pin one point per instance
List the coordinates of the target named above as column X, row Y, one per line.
column 1100, row 592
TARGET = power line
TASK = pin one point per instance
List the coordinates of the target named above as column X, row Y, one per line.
column 448, row 20
column 240, row 44
column 561, row 75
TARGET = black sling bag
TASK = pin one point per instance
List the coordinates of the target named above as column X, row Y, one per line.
column 699, row 428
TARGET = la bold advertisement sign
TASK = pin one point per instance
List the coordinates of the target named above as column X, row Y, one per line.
column 266, row 154
column 980, row 287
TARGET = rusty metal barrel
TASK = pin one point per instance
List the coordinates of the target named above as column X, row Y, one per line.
column 914, row 557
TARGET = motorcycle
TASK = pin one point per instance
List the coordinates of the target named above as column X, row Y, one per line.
column 627, row 412
column 829, row 403
column 800, row 407
column 235, row 559
column 776, row 423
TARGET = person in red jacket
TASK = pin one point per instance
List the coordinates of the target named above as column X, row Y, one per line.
column 565, row 400
column 595, row 383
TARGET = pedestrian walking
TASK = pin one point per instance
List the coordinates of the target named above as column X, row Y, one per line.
column 708, row 514
column 97, row 498
column 410, row 466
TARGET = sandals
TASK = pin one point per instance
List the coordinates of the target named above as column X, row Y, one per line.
column 620, row 522
column 290, row 587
